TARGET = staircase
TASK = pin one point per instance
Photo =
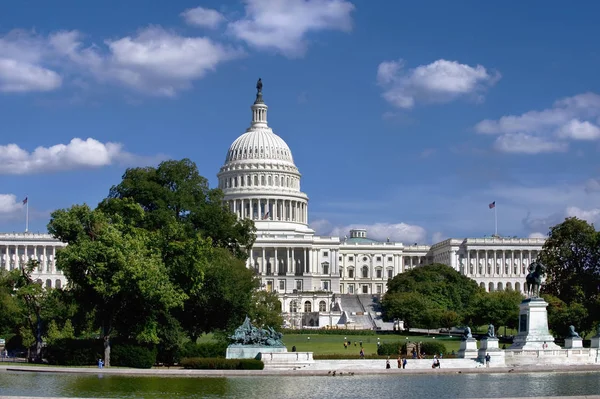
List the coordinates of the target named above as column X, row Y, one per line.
column 357, row 316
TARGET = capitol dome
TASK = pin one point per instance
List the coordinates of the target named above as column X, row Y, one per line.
column 259, row 178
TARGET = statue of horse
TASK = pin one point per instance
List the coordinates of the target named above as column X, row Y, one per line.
column 534, row 279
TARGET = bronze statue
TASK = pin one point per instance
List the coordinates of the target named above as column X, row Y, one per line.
column 491, row 331
column 259, row 86
column 534, row 279
column 573, row 333
column 467, row 335
column 247, row 334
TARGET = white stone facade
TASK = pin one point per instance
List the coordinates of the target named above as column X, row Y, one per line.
column 309, row 272
column 16, row 249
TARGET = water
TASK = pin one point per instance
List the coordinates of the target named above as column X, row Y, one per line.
column 284, row 387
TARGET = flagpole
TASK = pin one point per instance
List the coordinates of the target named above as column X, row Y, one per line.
column 27, row 215
column 496, row 220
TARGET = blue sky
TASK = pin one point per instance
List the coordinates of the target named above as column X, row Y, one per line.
column 408, row 119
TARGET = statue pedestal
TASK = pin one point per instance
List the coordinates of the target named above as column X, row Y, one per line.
column 533, row 327
column 251, row 351
column 468, row 349
column 573, row 343
column 489, row 345
column 595, row 342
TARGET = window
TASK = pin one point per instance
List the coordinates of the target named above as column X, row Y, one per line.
column 281, row 285
column 350, row 288
column 322, row 306
column 390, row 259
column 325, row 284
column 299, row 285
column 379, row 289
column 390, row 274
column 325, row 267
column 351, row 258
column 307, row 307
column 365, row 272
column 365, row 259
column 293, row 307
column 340, row 258
column 350, row 273
column 379, row 259
column 365, row 289
column 378, row 273
column 325, row 253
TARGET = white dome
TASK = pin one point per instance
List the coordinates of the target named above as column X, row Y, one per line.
column 260, row 144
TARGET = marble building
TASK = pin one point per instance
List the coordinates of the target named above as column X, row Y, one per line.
column 315, row 276
column 16, row 249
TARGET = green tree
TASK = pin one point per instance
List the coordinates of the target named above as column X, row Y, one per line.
column 176, row 191
column 571, row 255
column 114, row 271
column 562, row 315
column 500, row 308
column 421, row 296
column 266, row 309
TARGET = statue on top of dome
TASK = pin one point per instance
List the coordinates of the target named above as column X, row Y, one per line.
column 259, row 86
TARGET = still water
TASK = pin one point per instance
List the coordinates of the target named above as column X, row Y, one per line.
column 405, row 387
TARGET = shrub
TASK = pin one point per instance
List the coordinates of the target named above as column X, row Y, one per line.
column 221, row 364
column 204, row 349
column 129, row 355
column 391, row 348
column 433, row 348
column 75, row 352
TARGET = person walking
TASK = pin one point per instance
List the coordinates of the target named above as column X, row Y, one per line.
column 487, row 360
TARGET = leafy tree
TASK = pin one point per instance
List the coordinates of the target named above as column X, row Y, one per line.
column 422, row 295
column 114, row 271
column 176, row 191
column 265, row 310
column 562, row 315
column 500, row 308
column 572, row 257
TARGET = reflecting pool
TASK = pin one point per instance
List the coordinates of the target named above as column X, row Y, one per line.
column 377, row 386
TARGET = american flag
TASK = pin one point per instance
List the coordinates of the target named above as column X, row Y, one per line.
column 492, row 205
column 25, row 201
column 266, row 216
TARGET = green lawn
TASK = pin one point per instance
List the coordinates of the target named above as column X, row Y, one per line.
column 334, row 344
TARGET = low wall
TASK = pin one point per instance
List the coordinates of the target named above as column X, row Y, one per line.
column 516, row 357
column 251, row 352
column 286, row 360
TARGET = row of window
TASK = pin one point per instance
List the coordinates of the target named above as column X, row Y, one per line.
column 362, row 288
column 265, row 180
column 325, row 285
column 251, row 152
column 307, row 306
column 365, row 273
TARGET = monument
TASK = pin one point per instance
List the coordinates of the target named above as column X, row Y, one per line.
column 468, row 345
column 573, row 340
column 488, row 345
column 533, row 316
column 248, row 341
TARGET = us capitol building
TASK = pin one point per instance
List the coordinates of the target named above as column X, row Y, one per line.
column 321, row 281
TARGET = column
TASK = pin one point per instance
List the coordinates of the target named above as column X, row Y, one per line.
column 287, row 260
column 7, row 266
column 293, row 262
column 276, row 270
column 305, row 260
column 263, row 270
column 53, row 267
column 477, row 260
column 468, row 264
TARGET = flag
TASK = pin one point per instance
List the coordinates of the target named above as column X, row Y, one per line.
column 266, row 216
column 25, row 201
column 492, row 205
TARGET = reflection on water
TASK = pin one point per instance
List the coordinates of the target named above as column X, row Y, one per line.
column 404, row 386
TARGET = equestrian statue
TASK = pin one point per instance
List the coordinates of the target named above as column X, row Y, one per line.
column 535, row 278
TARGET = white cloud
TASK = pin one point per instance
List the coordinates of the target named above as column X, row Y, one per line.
column 592, row 186
column 154, row 61
column 9, row 206
column 524, row 143
column 204, row 17
column 78, row 154
column 591, row 215
column 577, row 130
column 282, row 25
column 537, row 235
column 438, row 237
column 399, row 232
column 438, row 82
column 549, row 130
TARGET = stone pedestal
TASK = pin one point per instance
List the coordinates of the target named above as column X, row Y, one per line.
column 573, row 343
column 491, row 346
column 468, row 349
column 533, row 327
column 251, row 351
column 595, row 342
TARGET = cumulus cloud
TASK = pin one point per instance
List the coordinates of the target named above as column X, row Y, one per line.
column 77, row 154
column 398, row 232
column 10, row 206
column 591, row 215
column 204, row 17
column 154, row 60
column 592, row 186
column 438, row 237
column 438, row 82
column 283, row 25
column 569, row 119
column 537, row 235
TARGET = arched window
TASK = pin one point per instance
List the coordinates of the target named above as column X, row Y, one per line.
column 500, row 287
column 365, row 271
column 58, row 284
column 48, row 283
column 508, row 286
column 350, row 273
column 491, row 287
column 255, row 180
column 518, row 287
column 262, row 181
column 249, row 180
column 482, row 285
column 307, row 307
column 293, row 307
column 322, row 306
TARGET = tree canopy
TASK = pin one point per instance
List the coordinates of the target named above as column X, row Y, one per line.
column 571, row 255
